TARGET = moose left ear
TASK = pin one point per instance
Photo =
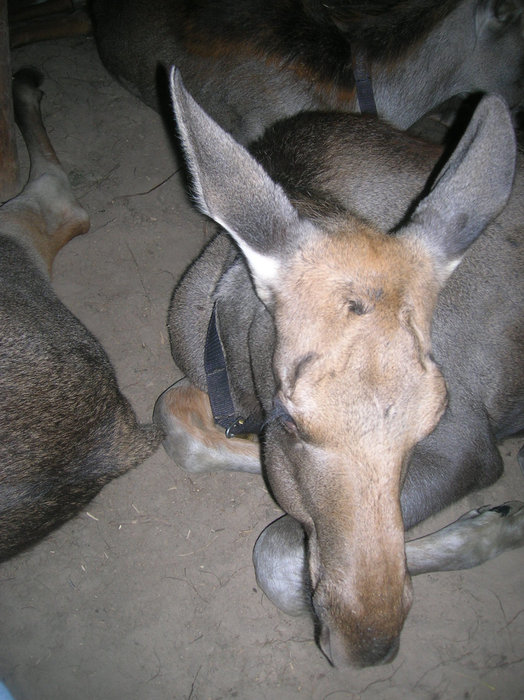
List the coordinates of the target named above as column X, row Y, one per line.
column 472, row 187
column 232, row 188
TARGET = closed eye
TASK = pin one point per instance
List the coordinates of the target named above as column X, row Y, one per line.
column 357, row 307
column 282, row 416
column 364, row 303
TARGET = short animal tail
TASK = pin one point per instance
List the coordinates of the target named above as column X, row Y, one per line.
column 126, row 445
column 149, row 437
column 30, row 510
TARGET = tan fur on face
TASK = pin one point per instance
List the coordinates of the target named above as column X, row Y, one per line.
column 354, row 316
column 353, row 361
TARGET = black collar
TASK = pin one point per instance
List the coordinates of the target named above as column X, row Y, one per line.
column 364, row 86
column 218, row 387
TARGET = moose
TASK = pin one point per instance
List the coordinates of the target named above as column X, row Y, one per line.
column 252, row 62
column 360, row 306
column 65, row 428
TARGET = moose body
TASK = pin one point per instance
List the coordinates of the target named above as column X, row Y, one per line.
column 383, row 376
column 65, row 428
column 252, row 62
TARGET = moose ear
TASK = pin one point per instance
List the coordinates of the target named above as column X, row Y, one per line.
column 234, row 190
column 472, row 187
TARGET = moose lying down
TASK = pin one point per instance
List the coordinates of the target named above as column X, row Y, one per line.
column 252, row 62
column 375, row 334
column 65, row 428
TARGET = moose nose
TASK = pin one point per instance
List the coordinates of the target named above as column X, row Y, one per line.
column 373, row 652
column 365, row 637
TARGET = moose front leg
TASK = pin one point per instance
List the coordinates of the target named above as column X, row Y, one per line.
column 477, row 536
column 481, row 534
column 193, row 440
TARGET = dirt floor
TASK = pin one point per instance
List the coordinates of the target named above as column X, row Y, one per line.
column 149, row 594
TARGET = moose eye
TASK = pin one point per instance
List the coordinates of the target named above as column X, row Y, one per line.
column 283, row 417
column 356, row 306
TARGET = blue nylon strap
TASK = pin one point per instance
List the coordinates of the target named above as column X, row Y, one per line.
column 364, row 86
column 218, row 388
column 216, row 375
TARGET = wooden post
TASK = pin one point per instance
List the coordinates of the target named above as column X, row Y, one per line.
column 9, row 174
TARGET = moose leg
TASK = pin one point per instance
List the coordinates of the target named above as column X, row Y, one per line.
column 477, row 536
column 45, row 214
column 193, row 440
column 481, row 534
column 444, row 467
column 279, row 558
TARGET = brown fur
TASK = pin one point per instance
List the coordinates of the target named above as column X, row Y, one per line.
column 191, row 407
column 253, row 62
column 66, row 428
column 384, row 30
column 364, row 300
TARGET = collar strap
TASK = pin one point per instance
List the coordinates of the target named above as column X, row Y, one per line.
column 218, row 387
column 364, row 85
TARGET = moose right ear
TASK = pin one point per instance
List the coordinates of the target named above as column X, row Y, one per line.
column 471, row 189
column 234, row 190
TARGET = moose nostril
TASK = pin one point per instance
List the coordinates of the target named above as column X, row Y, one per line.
column 389, row 653
column 378, row 652
column 372, row 652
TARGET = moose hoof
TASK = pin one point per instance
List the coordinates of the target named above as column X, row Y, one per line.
column 495, row 529
column 477, row 536
column 279, row 557
column 193, row 440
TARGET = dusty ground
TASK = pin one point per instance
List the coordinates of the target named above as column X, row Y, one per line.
column 149, row 594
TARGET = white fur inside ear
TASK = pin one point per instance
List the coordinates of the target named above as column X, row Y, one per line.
column 452, row 266
column 265, row 270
